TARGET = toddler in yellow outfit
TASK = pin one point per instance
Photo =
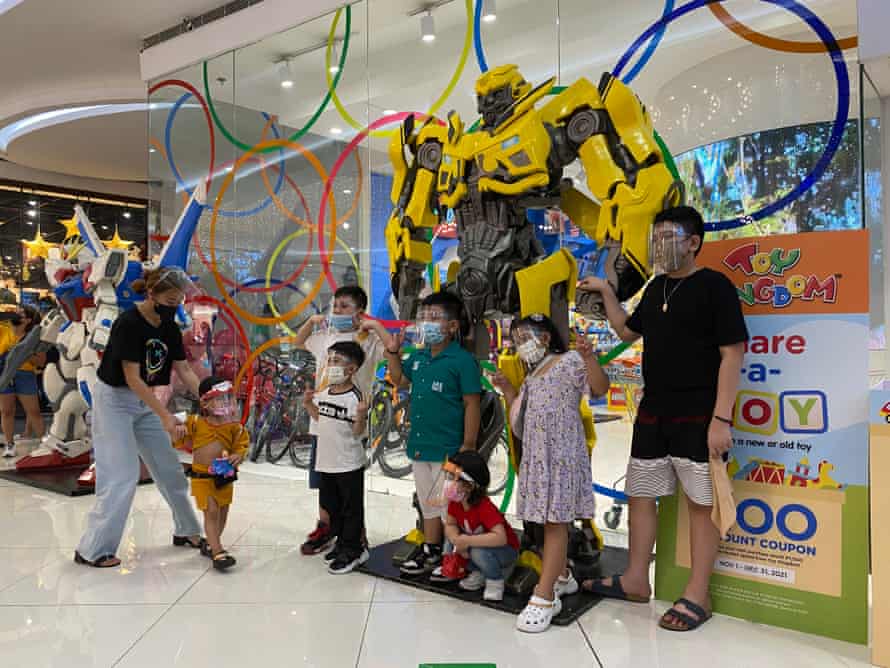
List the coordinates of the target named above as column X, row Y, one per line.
column 219, row 444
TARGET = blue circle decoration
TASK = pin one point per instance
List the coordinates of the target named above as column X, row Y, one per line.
column 840, row 119
column 743, row 522
column 782, row 521
column 168, row 147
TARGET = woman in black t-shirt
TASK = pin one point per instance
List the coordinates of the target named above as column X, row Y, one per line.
column 129, row 422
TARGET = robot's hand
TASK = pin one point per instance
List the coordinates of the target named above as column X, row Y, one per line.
column 51, row 326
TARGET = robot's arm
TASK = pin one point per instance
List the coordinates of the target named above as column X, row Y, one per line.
column 107, row 273
column 415, row 211
column 609, row 130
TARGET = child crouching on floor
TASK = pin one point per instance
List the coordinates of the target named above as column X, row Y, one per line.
column 485, row 545
column 219, row 444
column 339, row 415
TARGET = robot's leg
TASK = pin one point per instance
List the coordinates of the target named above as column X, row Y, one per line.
column 66, row 443
column 412, row 539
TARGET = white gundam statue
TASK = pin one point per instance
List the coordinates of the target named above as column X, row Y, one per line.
column 92, row 287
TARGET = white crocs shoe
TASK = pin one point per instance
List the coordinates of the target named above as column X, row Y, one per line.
column 566, row 586
column 538, row 614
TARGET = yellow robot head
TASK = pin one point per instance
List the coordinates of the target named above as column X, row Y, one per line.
column 497, row 90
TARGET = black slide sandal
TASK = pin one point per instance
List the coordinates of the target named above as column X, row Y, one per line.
column 101, row 562
column 187, row 541
column 691, row 622
column 614, row 590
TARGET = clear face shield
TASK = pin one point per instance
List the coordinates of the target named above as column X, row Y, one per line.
column 669, row 247
column 219, row 401
column 431, row 327
column 174, row 278
column 530, row 344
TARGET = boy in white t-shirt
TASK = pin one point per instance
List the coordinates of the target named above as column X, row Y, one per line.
column 347, row 322
column 339, row 418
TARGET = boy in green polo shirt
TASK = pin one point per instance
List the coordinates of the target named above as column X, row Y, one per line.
column 445, row 414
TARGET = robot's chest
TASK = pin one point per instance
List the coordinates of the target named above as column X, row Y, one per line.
column 509, row 163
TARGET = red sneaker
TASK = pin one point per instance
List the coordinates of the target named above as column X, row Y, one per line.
column 318, row 541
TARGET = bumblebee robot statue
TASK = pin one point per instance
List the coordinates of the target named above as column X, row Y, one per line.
column 513, row 162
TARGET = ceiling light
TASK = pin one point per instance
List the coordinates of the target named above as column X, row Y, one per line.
column 32, row 202
column 285, row 74
column 32, row 213
column 345, row 226
column 227, row 169
column 105, row 227
column 127, row 214
column 489, row 11
column 336, row 131
column 335, row 59
column 389, row 112
column 427, row 28
column 347, row 191
column 152, row 150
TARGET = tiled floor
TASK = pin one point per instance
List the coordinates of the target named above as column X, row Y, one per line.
column 164, row 607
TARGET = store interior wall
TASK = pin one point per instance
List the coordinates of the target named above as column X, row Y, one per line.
column 746, row 122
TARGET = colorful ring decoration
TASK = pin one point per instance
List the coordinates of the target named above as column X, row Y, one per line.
column 840, row 121
column 785, row 45
column 251, row 358
column 179, row 83
column 329, row 182
column 274, row 258
column 318, row 112
column 168, row 150
column 443, row 96
column 227, row 182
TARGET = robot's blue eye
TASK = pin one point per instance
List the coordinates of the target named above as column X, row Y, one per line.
column 512, row 141
column 447, row 159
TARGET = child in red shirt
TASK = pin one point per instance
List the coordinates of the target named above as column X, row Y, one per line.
column 476, row 528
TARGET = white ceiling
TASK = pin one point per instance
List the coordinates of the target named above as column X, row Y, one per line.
column 88, row 52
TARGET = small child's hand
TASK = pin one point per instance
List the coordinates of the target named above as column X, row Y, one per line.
column 308, row 398
column 235, row 459
column 179, row 432
column 500, row 381
column 362, row 408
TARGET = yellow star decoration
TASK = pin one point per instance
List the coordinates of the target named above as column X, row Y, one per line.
column 70, row 228
column 117, row 242
column 38, row 246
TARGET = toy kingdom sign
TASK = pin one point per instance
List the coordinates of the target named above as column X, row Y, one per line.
column 798, row 554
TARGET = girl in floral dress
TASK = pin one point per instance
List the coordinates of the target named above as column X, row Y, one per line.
column 555, row 485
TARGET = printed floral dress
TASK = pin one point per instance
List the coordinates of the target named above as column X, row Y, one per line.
column 555, row 483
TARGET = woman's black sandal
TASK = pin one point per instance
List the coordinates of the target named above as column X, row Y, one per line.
column 102, row 562
column 187, row 541
column 223, row 561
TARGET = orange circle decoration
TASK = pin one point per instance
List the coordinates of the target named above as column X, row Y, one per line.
column 774, row 43
column 227, row 182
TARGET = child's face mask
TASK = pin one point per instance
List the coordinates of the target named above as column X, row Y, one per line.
column 454, row 491
column 339, row 369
